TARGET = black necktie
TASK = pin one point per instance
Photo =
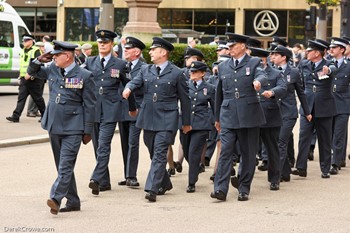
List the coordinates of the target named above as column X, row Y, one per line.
column 313, row 66
column 280, row 68
column 336, row 64
column 158, row 70
column 236, row 63
column 130, row 65
column 62, row 71
column 195, row 84
column 102, row 62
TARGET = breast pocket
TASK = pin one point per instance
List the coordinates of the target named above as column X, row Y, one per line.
column 168, row 87
column 227, row 81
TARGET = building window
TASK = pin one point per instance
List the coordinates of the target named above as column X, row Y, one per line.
column 81, row 23
column 40, row 21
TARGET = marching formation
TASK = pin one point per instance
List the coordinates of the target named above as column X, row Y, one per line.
column 245, row 109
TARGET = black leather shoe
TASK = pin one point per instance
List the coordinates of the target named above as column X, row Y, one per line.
column 207, row 162
column 201, row 168
column 178, row 167
column 123, row 182
column 300, row 172
column 54, row 207
column 70, row 209
column 191, row 189
column 162, row 190
column 285, row 178
column 95, row 187
column 220, row 195
column 311, row 155
column 12, row 119
column 334, row 170
column 234, row 181
column 132, row 182
column 291, row 162
column 212, row 177
column 325, row 175
column 263, row 166
column 342, row 164
column 171, row 171
column 105, row 188
column 151, row 196
column 243, row 197
column 274, row 186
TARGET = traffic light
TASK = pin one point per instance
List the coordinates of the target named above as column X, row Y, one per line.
column 310, row 19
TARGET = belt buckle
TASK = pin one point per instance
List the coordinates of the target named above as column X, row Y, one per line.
column 237, row 95
column 313, row 88
column 155, row 97
column 100, row 91
column 57, row 100
column 334, row 88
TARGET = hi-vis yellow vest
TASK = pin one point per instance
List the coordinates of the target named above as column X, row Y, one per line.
column 25, row 59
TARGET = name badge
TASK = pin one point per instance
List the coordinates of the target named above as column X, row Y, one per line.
column 247, row 71
column 76, row 83
column 115, row 73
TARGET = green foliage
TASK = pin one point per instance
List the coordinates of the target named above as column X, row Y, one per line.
column 325, row 2
column 176, row 56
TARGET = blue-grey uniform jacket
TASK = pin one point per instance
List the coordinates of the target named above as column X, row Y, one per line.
column 288, row 103
column 71, row 105
column 340, row 88
column 318, row 91
column 108, row 80
column 202, row 105
column 237, row 104
column 138, row 92
column 159, row 110
column 277, row 84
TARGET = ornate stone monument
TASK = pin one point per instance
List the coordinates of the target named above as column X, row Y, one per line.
column 142, row 19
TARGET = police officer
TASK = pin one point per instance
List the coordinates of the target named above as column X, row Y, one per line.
column 288, row 105
column 202, row 96
column 29, row 85
column 317, row 73
column 238, row 115
column 269, row 94
column 68, row 118
column 340, row 91
column 164, row 84
column 109, row 73
column 129, row 133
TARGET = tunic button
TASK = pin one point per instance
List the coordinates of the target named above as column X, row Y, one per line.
column 193, row 112
column 156, row 85
column 102, row 79
column 194, row 99
column 268, row 84
column 194, row 105
column 235, row 80
column 157, row 77
column 61, row 86
column 335, row 79
column 236, row 89
column 195, row 93
column 314, row 80
column 103, row 72
column 59, row 94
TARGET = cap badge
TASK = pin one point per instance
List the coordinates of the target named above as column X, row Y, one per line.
column 102, row 33
column 192, row 65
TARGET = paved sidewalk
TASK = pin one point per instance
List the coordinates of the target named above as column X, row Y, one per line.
column 27, row 172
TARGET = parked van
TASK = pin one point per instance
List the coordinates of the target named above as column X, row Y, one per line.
column 12, row 28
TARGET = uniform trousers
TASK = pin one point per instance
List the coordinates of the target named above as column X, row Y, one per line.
column 157, row 143
column 323, row 126
column 65, row 150
column 248, row 139
column 133, row 152
column 269, row 137
column 102, row 138
column 32, row 88
column 211, row 143
column 124, row 132
column 340, row 126
column 195, row 142
column 286, row 133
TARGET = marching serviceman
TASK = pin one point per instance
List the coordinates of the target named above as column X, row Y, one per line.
column 202, row 96
column 108, row 73
column 340, row 91
column 129, row 133
column 317, row 76
column 164, row 83
column 68, row 118
column 269, row 94
column 288, row 104
column 238, row 115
